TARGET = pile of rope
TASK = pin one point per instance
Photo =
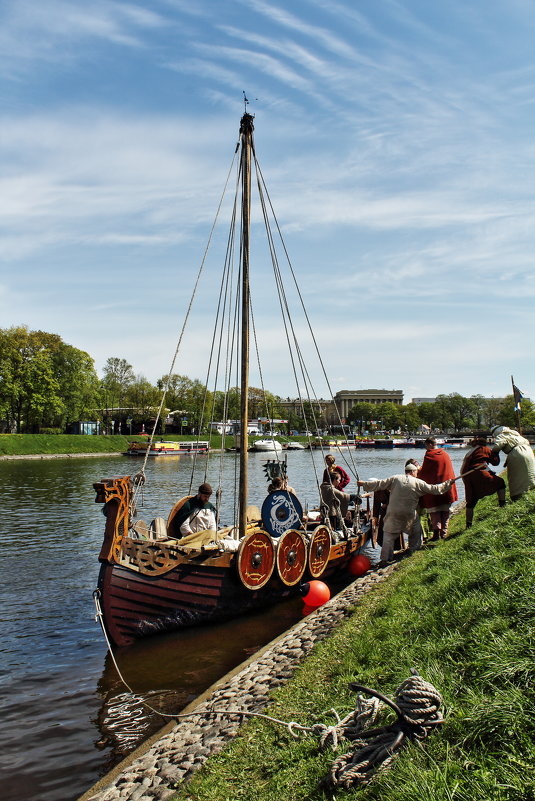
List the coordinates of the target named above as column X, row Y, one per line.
column 417, row 708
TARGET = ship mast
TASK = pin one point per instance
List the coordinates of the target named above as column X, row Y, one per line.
column 246, row 136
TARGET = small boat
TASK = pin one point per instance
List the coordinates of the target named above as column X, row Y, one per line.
column 166, row 448
column 152, row 578
column 268, row 444
column 383, row 444
column 294, row 446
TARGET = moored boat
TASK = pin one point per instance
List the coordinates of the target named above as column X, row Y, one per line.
column 154, row 577
column 167, row 448
column 266, row 445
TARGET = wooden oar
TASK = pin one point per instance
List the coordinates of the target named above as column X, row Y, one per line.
column 473, row 470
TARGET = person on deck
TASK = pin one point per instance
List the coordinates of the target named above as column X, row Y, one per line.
column 197, row 514
column 481, row 482
column 279, row 484
column 520, row 460
column 334, row 500
column 405, row 492
column 330, row 462
column 437, row 467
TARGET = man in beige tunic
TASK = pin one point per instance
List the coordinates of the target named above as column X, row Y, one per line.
column 520, row 460
column 405, row 491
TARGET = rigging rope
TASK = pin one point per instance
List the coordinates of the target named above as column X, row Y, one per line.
column 186, row 318
column 259, row 172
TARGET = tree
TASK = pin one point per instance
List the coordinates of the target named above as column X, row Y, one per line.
column 188, row 396
column 43, row 381
column 455, row 410
column 390, row 414
column 428, row 413
column 361, row 414
column 411, row 417
column 506, row 413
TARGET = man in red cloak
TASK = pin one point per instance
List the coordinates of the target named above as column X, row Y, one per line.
column 436, row 468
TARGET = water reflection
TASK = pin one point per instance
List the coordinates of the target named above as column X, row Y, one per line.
column 66, row 717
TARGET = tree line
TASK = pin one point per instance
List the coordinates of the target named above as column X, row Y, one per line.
column 46, row 384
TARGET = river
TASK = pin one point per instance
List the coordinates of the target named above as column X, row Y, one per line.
column 66, row 717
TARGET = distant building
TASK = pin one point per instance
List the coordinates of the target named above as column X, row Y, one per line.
column 418, row 401
column 346, row 399
column 321, row 406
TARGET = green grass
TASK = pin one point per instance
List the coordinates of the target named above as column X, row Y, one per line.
column 461, row 613
column 36, row 444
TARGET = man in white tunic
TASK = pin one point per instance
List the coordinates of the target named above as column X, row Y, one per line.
column 405, row 491
column 520, row 460
column 197, row 514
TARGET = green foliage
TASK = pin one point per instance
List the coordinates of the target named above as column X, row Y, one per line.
column 43, row 381
column 462, row 614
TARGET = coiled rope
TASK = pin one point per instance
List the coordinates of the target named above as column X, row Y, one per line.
column 417, row 707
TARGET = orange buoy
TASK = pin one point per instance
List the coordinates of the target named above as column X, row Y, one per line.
column 359, row 564
column 315, row 593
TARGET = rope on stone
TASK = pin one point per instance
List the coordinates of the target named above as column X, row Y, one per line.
column 417, row 709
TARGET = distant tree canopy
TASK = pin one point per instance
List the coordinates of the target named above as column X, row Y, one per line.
column 452, row 412
column 44, row 382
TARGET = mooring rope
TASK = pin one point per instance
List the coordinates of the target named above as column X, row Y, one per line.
column 417, row 707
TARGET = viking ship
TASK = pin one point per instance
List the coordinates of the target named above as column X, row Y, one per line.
column 152, row 579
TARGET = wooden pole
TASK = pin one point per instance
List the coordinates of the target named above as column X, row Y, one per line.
column 479, row 467
column 246, row 133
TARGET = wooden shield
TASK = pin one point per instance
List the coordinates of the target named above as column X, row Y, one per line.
column 171, row 528
column 256, row 560
column 291, row 557
column 281, row 511
column 319, row 550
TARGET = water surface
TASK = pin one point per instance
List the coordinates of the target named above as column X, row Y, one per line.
column 66, row 717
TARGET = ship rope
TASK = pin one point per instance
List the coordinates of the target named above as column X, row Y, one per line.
column 265, row 194
column 417, row 706
column 184, row 324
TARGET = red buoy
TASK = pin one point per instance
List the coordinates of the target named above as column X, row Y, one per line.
column 359, row 564
column 315, row 593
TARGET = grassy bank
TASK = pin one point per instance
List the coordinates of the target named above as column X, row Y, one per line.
column 461, row 613
column 34, row 444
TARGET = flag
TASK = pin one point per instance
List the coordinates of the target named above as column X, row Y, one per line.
column 517, row 395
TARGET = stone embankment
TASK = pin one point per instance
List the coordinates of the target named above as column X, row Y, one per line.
column 182, row 747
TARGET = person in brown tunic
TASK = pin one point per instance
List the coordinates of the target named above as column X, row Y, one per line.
column 481, row 482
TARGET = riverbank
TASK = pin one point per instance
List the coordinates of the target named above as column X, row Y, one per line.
column 458, row 612
column 64, row 445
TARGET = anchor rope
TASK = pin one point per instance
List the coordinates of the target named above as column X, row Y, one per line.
column 417, row 707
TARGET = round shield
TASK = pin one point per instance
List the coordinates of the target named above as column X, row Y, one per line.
column 174, row 531
column 291, row 557
column 319, row 550
column 280, row 511
column 256, row 560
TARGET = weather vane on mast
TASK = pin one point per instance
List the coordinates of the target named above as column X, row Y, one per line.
column 246, row 100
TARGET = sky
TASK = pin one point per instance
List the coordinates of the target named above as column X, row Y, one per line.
column 396, row 138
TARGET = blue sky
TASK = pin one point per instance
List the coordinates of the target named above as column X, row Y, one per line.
column 396, row 138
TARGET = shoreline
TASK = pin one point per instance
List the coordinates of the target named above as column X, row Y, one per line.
column 6, row 457
column 155, row 764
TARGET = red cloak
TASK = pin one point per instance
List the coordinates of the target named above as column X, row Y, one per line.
column 436, row 468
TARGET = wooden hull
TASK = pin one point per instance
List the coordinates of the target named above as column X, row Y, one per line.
column 147, row 586
column 135, row 605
